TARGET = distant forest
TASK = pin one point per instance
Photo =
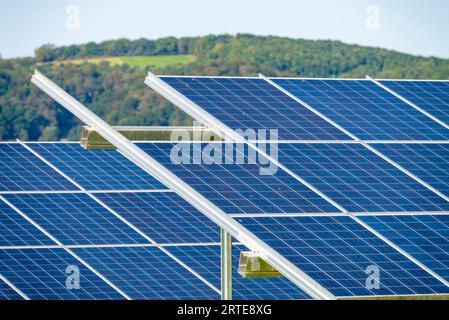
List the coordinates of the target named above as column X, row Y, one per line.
column 117, row 92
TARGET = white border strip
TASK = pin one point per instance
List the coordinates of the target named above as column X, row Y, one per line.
column 339, row 214
column 154, row 168
column 82, row 191
column 17, row 290
column 297, row 78
column 116, row 245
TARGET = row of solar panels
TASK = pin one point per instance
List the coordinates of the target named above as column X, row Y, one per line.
column 349, row 173
column 332, row 248
column 319, row 236
column 364, row 109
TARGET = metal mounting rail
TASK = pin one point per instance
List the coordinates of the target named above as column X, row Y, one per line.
column 154, row 168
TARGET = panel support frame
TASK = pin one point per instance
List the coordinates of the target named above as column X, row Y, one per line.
column 226, row 265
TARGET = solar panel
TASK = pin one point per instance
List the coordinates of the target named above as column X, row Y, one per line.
column 97, row 169
column 41, row 275
column 20, row 170
column 16, row 231
column 147, row 273
column 240, row 188
column 430, row 162
column 432, row 96
column 75, row 219
column 8, row 293
column 206, row 261
column 358, row 179
column 252, row 103
column 365, row 109
column 164, row 217
column 425, row 237
column 337, row 252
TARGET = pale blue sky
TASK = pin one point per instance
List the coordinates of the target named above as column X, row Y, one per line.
column 412, row 26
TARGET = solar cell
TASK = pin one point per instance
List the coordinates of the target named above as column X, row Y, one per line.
column 358, row 179
column 429, row 162
column 206, row 261
column 239, row 188
column 20, row 170
column 16, row 231
column 96, row 169
column 339, row 253
column 164, row 217
column 432, row 96
column 425, row 237
column 42, row 275
column 8, row 293
column 365, row 109
column 75, row 219
column 147, row 273
column 252, row 103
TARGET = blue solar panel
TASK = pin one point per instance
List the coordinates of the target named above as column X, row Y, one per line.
column 75, row 219
column 164, row 217
column 240, row 188
column 97, row 169
column 336, row 252
column 147, row 273
column 8, row 293
column 429, row 162
column 41, row 275
column 365, row 109
column 21, row 170
column 16, row 231
column 248, row 103
column 424, row 237
column 358, row 179
column 432, row 96
column 206, row 261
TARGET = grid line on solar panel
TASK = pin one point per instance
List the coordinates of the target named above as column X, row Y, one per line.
column 206, row 261
column 336, row 251
column 424, row 237
column 16, row 231
column 21, row 170
column 7, row 292
column 365, row 109
column 240, row 188
column 41, row 274
column 429, row 162
column 358, row 179
column 98, row 169
column 252, row 103
column 75, row 218
column 147, row 273
column 431, row 96
column 164, row 217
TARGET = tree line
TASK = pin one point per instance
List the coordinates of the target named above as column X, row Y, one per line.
column 118, row 94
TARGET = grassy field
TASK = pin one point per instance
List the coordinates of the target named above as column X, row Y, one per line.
column 136, row 61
